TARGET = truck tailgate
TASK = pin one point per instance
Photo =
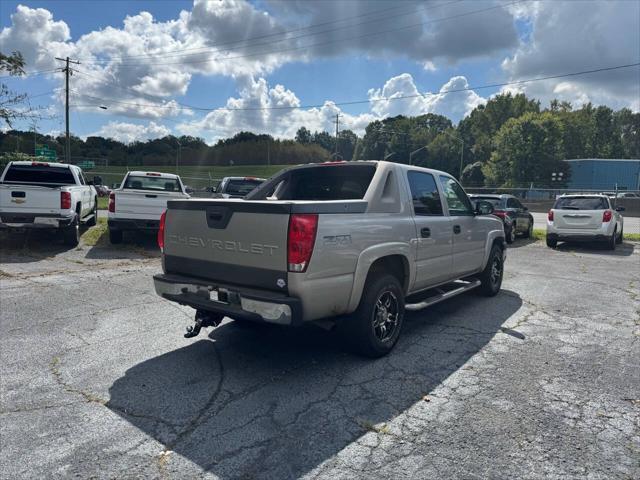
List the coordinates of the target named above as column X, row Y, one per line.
column 29, row 198
column 228, row 241
column 143, row 204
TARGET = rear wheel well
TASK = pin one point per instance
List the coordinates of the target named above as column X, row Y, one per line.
column 499, row 242
column 396, row 265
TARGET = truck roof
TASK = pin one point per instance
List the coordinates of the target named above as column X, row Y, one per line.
column 382, row 163
column 140, row 173
column 38, row 162
column 245, row 178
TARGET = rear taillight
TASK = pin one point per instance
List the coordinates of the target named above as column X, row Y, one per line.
column 65, row 200
column 300, row 241
column 112, row 202
column 550, row 216
column 161, row 231
column 500, row 213
column 606, row 216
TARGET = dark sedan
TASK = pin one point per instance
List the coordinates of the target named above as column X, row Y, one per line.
column 516, row 217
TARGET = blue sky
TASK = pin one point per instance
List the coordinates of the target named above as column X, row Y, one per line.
column 459, row 44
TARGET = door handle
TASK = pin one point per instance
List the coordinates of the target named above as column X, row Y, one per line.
column 456, row 229
column 425, row 232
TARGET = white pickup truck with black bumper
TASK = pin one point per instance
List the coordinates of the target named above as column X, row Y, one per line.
column 140, row 200
column 353, row 244
column 47, row 195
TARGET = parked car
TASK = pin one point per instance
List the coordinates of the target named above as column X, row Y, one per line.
column 140, row 200
column 350, row 244
column 516, row 217
column 47, row 195
column 585, row 218
column 236, row 187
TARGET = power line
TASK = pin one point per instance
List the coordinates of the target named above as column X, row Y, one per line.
column 207, row 50
column 380, row 99
column 32, row 74
column 171, row 53
column 330, row 42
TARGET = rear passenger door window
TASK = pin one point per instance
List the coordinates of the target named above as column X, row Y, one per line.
column 456, row 198
column 424, row 193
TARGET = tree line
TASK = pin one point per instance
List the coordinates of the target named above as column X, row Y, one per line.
column 510, row 141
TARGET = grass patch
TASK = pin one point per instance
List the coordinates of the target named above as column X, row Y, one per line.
column 539, row 234
column 634, row 237
column 103, row 203
column 93, row 235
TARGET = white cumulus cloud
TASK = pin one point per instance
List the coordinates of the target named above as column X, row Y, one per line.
column 130, row 132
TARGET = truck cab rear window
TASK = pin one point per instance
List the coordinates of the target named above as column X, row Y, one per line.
column 322, row 183
column 156, row 184
column 581, row 203
column 39, row 174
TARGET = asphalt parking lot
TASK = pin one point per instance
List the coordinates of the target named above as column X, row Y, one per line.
column 542, row 381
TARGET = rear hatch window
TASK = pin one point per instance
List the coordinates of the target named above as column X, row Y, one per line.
column 241, row 187
column 155, row 184
column 581, row 203
column 39, row 174
column 496, row 202
column 320, row 183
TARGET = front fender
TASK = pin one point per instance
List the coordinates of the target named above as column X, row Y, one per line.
column 491, row 237
column 367, row 257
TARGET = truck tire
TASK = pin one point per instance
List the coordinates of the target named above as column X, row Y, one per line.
column 552, row 242
column 71, row 233
column 373, row 329
column 510, row 234
column 92, row 222
column 621, row 236
column 529, row 232
column 115, row 236
column 491, row 276
column 612, row 241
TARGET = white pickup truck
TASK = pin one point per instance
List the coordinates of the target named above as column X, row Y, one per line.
column 140, row 200
column 47, row 195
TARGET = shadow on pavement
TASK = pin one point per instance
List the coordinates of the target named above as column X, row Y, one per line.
column 275, row 402
column 521, row 242
column 134, row 245
column 622, row 250
column 31, row 245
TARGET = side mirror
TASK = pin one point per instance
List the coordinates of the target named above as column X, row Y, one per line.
column 97, row 180
column 484, row 208
column 620, row 209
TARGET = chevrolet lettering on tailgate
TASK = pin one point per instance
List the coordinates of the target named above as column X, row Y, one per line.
column 228, row 245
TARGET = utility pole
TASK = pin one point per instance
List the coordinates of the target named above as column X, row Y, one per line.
column 178, row 154
column 67, row 71
column 337, row 131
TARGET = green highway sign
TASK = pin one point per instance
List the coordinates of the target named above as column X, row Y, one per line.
column 44, row 151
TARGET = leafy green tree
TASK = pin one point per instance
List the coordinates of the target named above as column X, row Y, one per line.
column 443, row 153
column 472, row 175
column 303, row 135
column 9, row 100
column 528, row 149
column 479, row 128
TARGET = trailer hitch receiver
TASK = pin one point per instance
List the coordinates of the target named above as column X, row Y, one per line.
column 203, row 319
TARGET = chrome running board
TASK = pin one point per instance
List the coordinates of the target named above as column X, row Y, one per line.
column 440, row 294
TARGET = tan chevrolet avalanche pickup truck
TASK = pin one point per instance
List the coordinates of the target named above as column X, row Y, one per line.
column 353, row 244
